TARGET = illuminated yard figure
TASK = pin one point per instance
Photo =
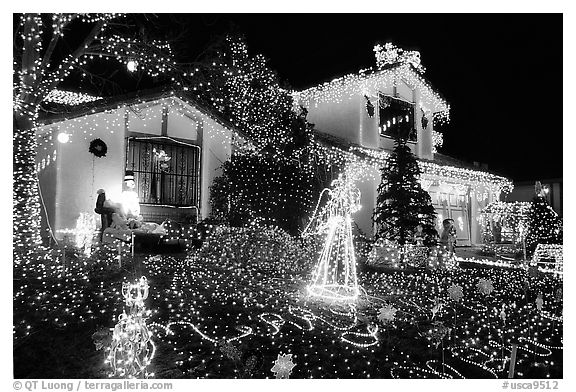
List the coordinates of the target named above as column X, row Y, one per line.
column 335, row 273
column 132, row 349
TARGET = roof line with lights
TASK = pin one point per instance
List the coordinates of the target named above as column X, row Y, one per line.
column 377, row 158
column 325, row 91
column 137, row 98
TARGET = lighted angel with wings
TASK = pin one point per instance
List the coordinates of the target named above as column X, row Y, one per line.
column 335, row 274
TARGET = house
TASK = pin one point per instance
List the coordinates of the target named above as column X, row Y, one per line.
column 358, row 116
column 134, row 130
column 356, row 119
column 524, row 191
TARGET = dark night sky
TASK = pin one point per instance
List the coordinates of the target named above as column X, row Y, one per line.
column 502, row 74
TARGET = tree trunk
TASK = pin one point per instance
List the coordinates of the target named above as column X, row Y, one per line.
column 26, row 202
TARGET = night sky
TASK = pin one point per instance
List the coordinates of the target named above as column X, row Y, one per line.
column 502, row 74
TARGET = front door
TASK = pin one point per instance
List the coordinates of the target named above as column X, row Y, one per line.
column 454, row 206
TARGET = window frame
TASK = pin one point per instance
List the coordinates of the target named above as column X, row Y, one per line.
column 414, row 117
column 162, row 142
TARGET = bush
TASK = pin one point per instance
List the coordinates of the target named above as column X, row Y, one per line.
column 266, row 248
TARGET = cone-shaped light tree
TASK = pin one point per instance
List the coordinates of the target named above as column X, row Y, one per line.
column 544, row 225
column 402, row 204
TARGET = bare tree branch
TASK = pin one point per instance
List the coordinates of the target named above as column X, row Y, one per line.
column 52, row 45
column 58, row 76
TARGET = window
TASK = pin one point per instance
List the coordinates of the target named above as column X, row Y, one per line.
column 165, row 172
column 396, row 118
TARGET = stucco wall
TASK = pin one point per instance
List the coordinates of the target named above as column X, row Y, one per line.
column 341, row 119
column 368, row 189
column 349, row 120
column 216, row 151
column 69, row 185
column 79, row 173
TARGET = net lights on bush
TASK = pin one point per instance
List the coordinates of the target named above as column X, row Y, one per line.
column 549, row 258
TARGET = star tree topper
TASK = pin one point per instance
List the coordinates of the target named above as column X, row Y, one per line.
column 283, row 366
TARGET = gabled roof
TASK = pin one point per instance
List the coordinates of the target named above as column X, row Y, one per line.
column 371, row 79
column 135, row 98
column 443, row 166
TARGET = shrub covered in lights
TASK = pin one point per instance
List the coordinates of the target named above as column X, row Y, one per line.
column 272, row 180
column 265, row 248
column 60, row 288
column 544, row 225
column 261, row 187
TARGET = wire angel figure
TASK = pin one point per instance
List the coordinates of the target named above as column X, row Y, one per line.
column 335, row 274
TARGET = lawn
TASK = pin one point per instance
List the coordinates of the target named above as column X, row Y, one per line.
column 221, row 316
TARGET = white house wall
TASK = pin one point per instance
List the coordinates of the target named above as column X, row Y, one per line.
column 187, row 123
column 145, row 118
column 70, row 183
column 342, row 119
column 217, row 150
column 182, row 126
column 79, row 173
column 368, row 194
column 348, row 119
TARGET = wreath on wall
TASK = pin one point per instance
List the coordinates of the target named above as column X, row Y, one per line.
column 98, row 148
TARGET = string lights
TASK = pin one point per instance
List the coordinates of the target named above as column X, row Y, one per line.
column 132, row 349
column 335, row 274
column 248, row 285
column 38, row 72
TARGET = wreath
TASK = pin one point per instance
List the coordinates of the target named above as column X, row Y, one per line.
column 98, row 148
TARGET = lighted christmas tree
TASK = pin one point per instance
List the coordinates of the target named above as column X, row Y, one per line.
column 271, row 181
column 544, row 225
column 402, row 204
